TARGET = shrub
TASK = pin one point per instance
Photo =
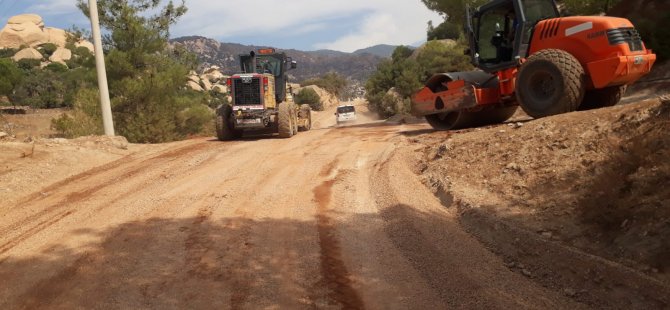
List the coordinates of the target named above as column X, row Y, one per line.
column 445, row 30
column 7, row 52
column 310, row 97
column 85, row 119
column 10, row 77
column 195, row 120
column 29, row 64
column 47, row 49
column 331, row 82
column 56, row 67
column 41, row 89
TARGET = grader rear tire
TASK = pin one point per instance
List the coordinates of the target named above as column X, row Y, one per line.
column 224, row 129
column 285, row 120
column 550, row 82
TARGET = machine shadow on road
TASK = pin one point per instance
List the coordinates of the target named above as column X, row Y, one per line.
column 194, row 263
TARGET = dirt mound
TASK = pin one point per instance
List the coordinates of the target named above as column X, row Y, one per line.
column 594, row 181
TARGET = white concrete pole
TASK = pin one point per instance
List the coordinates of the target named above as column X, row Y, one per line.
column 106, row 106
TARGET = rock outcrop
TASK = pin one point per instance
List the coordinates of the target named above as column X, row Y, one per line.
column 28, row 30
column 195, row 86
column 211, row 79
column 23, row 30
column 27, row 53
column 61, row 55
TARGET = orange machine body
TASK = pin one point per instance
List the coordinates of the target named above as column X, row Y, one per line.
column 604, row 46
column 608, row 48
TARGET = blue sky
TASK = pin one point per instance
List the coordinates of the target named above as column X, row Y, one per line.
column 344, row 25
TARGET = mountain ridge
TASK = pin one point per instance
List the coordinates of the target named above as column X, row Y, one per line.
column 357, row 66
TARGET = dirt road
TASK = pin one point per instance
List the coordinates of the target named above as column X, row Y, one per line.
column 333, row 218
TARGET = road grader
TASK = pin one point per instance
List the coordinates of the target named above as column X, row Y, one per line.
column 261, row 100
column 528, row 55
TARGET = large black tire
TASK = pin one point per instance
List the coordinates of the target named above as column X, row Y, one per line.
column 306, row 113
column 462, row 119
column 285, row 120
column 601, row 98
column 224, row 129
column 551, row 82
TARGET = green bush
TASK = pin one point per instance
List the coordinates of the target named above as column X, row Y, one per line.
column 8, row 52
column 56, row 67
column 85, row 119
column 310, row 97
column 41, row 89
column 10, row 77
column 195, row 120
column 29, row 64
column 47, row 49
column 331, row 82
column 445, row 30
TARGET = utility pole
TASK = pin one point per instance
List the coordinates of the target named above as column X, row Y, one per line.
column 106, row 106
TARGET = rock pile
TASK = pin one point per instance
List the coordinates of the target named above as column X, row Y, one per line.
column 211, row 79
column 27, row 32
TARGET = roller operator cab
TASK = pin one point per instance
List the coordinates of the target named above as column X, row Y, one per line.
column 261, row 99
column 528, row 55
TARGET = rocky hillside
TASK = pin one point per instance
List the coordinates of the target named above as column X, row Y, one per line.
column 382, row 50
column 356, row 66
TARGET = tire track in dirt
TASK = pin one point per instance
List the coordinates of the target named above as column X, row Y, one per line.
column 334, row 273
column 79, row 196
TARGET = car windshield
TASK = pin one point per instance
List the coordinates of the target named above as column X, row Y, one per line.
column 348, row 109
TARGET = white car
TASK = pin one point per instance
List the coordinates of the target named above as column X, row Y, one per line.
column 345, row 113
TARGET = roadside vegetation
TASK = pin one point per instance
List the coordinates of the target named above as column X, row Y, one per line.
column 332, row 82
column 147, row 79
column 310, row 97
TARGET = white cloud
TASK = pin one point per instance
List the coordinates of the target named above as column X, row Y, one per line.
column 54, row 7
column 399, row 24
column 383, row 21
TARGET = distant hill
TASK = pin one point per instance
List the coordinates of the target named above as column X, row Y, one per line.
column 381, row 50
column 356, row 66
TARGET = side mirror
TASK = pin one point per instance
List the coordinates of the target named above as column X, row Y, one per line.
column 294, row 64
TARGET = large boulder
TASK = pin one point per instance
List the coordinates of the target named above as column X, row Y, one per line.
column 27, row 53
column 61, row 55
column 194, row 78
column 221, row 89
column 26, row 19
column 195, row 86
column 23, row 30
column 56, row 36
column 207, row 84
column 86, row 44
